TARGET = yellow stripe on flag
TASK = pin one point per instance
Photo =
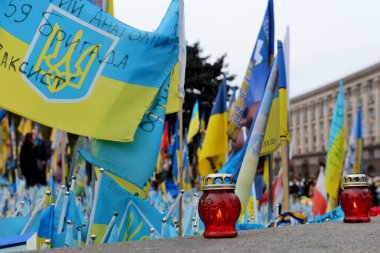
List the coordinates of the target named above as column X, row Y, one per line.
column 284, row 133
column 271, row 140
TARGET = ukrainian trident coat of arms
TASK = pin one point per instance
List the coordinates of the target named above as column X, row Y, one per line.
column 66, row 57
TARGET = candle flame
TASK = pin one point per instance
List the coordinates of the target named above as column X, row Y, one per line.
column 219, row 214
column 355, row 205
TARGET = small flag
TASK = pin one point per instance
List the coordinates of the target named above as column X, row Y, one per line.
column 215, row 145
column 245, row 174
column 320, row 195
column 354, row 157
column 335, row 151
column 194, row 123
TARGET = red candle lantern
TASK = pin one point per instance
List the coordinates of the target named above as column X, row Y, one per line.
column 356, row 199
column 219, row 207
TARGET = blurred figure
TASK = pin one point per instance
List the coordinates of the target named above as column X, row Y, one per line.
column 374, row 187
column 28, row 160
column 43, row 154
column 293, row 190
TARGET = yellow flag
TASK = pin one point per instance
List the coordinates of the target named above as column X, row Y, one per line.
column 215, row 145
column 336, row 151
column 194, row 123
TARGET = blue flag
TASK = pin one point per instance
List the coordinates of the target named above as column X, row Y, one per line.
column 45, row 230
column 253, row 87
column 135, row 216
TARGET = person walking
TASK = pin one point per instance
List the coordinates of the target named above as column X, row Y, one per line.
column 43, row 154
column 28, row 160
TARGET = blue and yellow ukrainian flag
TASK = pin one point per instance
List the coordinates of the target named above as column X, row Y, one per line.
column 174, row 99
column 335, row 151
column 135, row 216
column 283, row 94
column 245, row 174
column 354, row 157
column 177, row 80
column 277, row 127
column 128, row 163
column 122, row 160
column 252, row 89
column 215, row 145
column 194, row 123
column 79, row 60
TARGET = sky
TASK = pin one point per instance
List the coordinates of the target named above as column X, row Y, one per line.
column 328, row 39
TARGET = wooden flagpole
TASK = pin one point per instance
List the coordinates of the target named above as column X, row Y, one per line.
column 270, row 188
column 284, row 142
column 285, row 174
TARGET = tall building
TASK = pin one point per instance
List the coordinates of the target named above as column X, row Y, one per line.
column 311, row 115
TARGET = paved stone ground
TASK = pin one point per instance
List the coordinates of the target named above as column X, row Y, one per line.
column 326, row 237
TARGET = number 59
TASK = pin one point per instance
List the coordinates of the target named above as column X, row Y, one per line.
column 20, row 12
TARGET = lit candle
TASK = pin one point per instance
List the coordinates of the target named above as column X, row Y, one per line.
column 219, row 207
column 356, row 199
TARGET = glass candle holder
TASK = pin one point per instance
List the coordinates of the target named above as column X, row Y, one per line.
column 356, row 199
column 219, row 207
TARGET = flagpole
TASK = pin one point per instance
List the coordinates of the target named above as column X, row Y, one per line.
column 285, row 174
column 98, row 184
column 105, row 5
column 180, row 169
column 181, row 95
column 270, row 188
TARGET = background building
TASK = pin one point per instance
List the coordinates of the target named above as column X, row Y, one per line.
column 311, row 116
